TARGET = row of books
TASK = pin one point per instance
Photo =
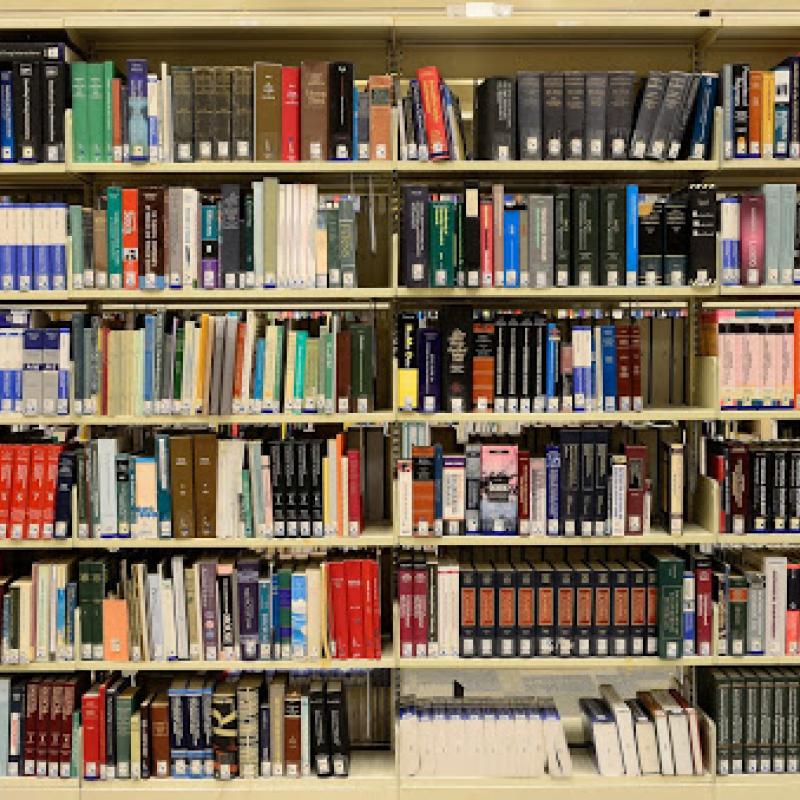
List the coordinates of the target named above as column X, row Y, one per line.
column 663, row 603
column 212, row 609
column 516, row 737
column 578, row 487
column 561, row 115
column 462, row 359
column 656, row 733
column 567, row 236
column 758, row 483
column 175, row 237
column 251, row 362
column 201, row 485
column 263, row 112
column 759, row 110
column 756, row 715
column 756, row 355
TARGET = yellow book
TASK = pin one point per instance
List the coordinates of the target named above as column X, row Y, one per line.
column 200, row 382
column 323, row 615
column 768, row 115
column 288, row 382
column 407, row 388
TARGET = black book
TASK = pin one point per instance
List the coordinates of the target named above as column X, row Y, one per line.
column 620, row 609
column 650, row 102
column 529, row 115
column 514, row 361
column 471, row 234
column 545, row 608
column 265, row 765
column 315, row 473
column 54, row 100
column 65, row 480
column 501, row 366
column 679, row 134
column 203, row 88
column 182, row 113
column 586, row 508
column 527, row 364
column 741, row 110
column 505, row 604
column 303, row 479
column 16, row 711
column 227, row 636
column 702, row 263
column 526, row 609
column 562, row 239
column 495, row 115
column 676, row 241
column 778, row 488
column 669, row 114
column 230, row 236
column 468, row 603
column 651, row 238
column 290, row 487
column 340, row 111
column 651, row 625
column 553, row 114
column 340, row 738
column 569, row 490
column 583, row 586
column 574, row 114
column 486, row 612
column 27, row 87
column 601, row 455
column 415, row 267
column 221, row 125
column 241, row 113
column 456, row 330
column 596, row 102
column 619, row 114
column 564, row 578
column 585, row 235
column 612, row 236
column 320, row 730
column 277, row 482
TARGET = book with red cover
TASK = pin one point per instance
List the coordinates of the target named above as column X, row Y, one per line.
column 290, row 113
column 67, row 709
column 43, row 727
column 435, row 132
column 752, row 221
column 36, row 481
column 19, row 490
column 116, row 119
column 422, row 492
column 50, row 488
column 355, row 608
column 54, row 728
column 704, row 608
column 624, row 387
column 374, row 578
column 6, row 473
column 103, row 752
column 405, row 602
column 338, row 601
column 524, row 496
column 31, row 727
column 637, row 466
column 355, row 522
column 483, row 355
column 92, row 721
column 716, row 470
column 635, row 345
column 368, row 604
column 420, row 609
column 130, row 238
column 487, row 242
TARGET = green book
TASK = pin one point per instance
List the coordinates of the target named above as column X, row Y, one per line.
column 329, row 365
column 80, row 111
column 178, row 377
column 96, row 106
column 443, row 246
column 362, row 367
column 114, row 235
column 246, row 509
column 332, row 244
column 669, row 577
column 76, row 743
column 123, row 495
column 126, row 703
column 108, row 112
column 248, row 257
column 311, row 390
column 76, row 245
column 347, row 242
column 300, row 368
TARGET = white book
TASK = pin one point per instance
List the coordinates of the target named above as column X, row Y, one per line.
column 281, row 278
column 774, row 568
column 618, row 494
column 678, row 730
column 646, row 745
column 5, row 721
column 694, row 731
column 332, row 495
column 258, row 233
column 405, row 495
column 247, row 361
column 155, row 617
column 168, row 613
column 256, row 488
column 41, row 574
column 106, row 454
column 559, row 761
column 408, row 738
column 535, row 752
column 601, row 727
column 663, row 738
column 538, row 499
column 230, row 454
column 179, row 601
column 314, row 611
column 189, row 264
column 344, row 496
column 622, row 716
column 198, row 649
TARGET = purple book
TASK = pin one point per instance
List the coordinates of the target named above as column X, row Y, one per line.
column 208, row 608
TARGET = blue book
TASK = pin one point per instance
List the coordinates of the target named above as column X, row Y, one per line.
column 419, row 120
column 61, row 613
column 688, row 614
column 71, row 605
column 264, row 619
column 41, row 274
column 511, row 244
column 552, row 465
column 446, row 100
column 275, row 630
column 7, row 146
column 57, row 246
column 730, row 238
column 137, row 110
column 553, row 347
column 429, row 366
column 355, row 123
column 24, row 248
column 152, row 119
column 8, row 250
column 149, row 366
column 17, row 350
column 164, row 497
column 703, row 117
column 258, row 377
column 438, row 472
column 608, row 345
column 631, row 234
column 299, row 615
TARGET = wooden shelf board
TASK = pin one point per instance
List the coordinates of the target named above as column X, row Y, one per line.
column 546, row 167
column 176, row 420
column 563, row 292
column 234, row 167
column 562, row 418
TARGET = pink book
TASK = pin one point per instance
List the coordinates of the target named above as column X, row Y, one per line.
column 751, row 232
column 405, row 602
column 741, row 371
column 499, row 489
column 420, row 602
column 786, row 365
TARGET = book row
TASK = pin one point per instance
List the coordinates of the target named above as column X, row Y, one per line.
column 577, row 487
column 209, row 609
column 756, row 717
column 251, row 725
column 760, row 109
column 664, row 603
column 516, row 737
column 756, row 355
column 565, row 236
column 175, row 237
column 655, row 733
column 462, row 359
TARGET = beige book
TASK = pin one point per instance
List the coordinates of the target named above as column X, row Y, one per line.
column 270, row 232
column 277, row 695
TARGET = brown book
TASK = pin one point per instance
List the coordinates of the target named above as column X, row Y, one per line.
column 54, row 729
column 242, row 113
column 343, row 370
column 380, row 117
column 205, row 485
column 152, row 236
column 313, row 110
column 292, row 733
column 67, row 710
column 277, row 699
column 181, row 473
column 267, row 110
column 30, row 727
column 43, row 727
column 159, row 736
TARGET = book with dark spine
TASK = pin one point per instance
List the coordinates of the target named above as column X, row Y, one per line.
column 221, row 126
column 596, row 102
column 529, row 115
column 574, row 114
column 619, row 113
column 553, row 115
column 652, row 96
column 183, row 114
column 340, row 108
column 242, row 113
column 495, row 115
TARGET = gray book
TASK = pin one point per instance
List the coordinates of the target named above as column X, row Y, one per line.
column 182, row 113
column 652, row 96
column 347, row 242
column 529, row 115
column 727, row 111
column 168, row 379
column 678, row 132
column 50, row 358
column 788, row 232
column 772, row 233
column 668, row 115
column 175, row 246
column 229, row 361
column 230, row 236
column 32, row 352
column 270, row 229
column 222, row 113
column 216, row 364
column 596, row 100
column 540, row 240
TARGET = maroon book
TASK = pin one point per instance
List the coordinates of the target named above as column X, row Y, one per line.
column 751, row 232
column 637, row 464
column 623, row 368
column 635, row 345
column 420, row 610
column 31, row 726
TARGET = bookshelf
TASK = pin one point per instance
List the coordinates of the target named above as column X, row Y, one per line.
column 388, row 37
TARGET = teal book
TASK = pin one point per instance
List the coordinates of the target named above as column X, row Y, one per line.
column 246, row 510
column 96, row 105
column 80, row 111
column 108, row 112
column 114, row 236
column 329, row 361
column 300, row 368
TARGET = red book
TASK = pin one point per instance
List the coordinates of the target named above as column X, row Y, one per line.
column 435, row 132
column 752, row 220
column 637, row 466
column 487, row 242
column 635, row 344
column 43, row 727
column 92, row 721
column 130, row 238
column 19, row 490
column 704, row 608
column 792, row 609
column 6, row 473
column 290, row 113
column 796, row 330
column 102, row 725
column 374, row 578
column 405, row 602
column 337, row 599
column 241, row 331
column 50, row 487
column 67, row 709
column 368, row 604
column 31, row 727
column 355, row 608
column 524, row 496
column 36, row 481
column 623, row 368
column 716, row 470
column 355, row 523
column 54, row 729
column 420, row 610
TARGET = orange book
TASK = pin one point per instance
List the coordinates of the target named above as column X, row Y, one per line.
column 380, row 117
column 483, row 366
column 422, row 493
column 130, row 238
column 237, row 366
column 768, row 115
column 116, row 119
column 200, row 383
column 756, row 92
column 115, row 630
